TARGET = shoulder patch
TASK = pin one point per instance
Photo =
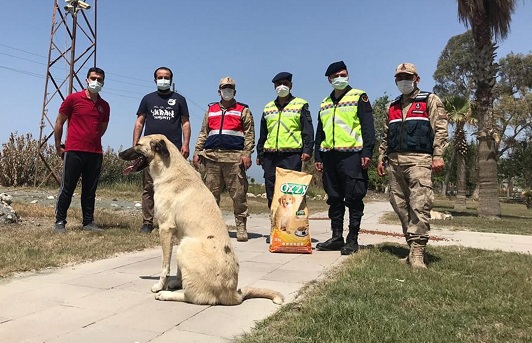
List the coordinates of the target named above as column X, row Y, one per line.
column 364, row 98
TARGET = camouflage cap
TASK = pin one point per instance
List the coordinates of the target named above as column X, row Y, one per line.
column 227, row 81
column 406, row 68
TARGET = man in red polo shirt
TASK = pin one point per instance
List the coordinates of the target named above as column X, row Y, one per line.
column 88, row 115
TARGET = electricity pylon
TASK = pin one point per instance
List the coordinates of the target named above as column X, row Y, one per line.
column 72, row 47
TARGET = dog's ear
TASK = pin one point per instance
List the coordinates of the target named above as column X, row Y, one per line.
column 160, row 148
column 280, row 199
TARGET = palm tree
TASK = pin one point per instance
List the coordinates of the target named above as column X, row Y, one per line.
column 488, row 19
column 459, row 111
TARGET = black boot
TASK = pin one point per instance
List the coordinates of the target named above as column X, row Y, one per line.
column 351, row 245
column 335, row 243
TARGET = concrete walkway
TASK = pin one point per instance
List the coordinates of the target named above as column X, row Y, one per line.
column 110, row 300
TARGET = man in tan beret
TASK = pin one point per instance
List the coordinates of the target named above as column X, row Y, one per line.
column 415, row 136
column 225, row 144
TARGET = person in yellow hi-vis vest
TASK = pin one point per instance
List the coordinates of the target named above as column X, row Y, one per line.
column 345, row 137
column 286, row 133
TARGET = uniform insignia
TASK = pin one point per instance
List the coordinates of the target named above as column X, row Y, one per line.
column 364, row 98
column 418, row 106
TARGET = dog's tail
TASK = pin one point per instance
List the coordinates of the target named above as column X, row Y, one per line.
column 252, row 292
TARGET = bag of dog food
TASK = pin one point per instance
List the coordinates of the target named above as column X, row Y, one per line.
column 289, row 213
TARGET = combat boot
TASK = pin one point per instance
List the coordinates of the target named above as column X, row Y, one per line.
column 351, row 245
column 405, row 260
column 241, row 232
column 416, row 257
column 335, row 243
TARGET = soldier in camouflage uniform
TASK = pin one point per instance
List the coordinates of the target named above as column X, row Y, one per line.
column 225, row 144
column 415, row 136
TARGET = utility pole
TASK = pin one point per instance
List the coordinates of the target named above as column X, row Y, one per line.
column 72, row 48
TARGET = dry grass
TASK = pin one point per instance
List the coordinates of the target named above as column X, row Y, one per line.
column 32, row 244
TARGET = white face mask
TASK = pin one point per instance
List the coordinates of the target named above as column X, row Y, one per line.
column 340, row 82
column 227, row 93
column 94, row 86
column 163, row 84
column 282, row 91
column 405, row 86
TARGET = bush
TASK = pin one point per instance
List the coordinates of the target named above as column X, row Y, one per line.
column 17, row 165
column 112, row 168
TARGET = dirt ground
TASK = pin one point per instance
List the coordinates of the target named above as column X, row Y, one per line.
column 48, row 198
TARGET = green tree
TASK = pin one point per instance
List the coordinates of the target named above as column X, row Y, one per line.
column 454, row 71
column 488, row 19
column 459, row 112
column 513, row 105
column 380, row 115
column 454, row 84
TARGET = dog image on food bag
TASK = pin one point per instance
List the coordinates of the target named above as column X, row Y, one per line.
column 290, row 227
column 285, row 212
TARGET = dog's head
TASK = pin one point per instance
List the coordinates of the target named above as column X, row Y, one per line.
column 286, row 200
column 145, row 151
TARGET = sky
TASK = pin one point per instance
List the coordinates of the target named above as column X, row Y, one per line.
column 251, row 41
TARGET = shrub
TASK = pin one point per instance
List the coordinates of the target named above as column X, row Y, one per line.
column 112, row 168
column 17, row 160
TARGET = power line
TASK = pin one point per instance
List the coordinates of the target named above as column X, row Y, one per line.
column 23, row 72
column 202, row 108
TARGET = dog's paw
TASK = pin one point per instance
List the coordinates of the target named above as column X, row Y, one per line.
column 164, row 295
column 175, row 284
column 157, row 287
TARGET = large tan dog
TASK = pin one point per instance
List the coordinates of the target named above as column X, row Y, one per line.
column 207, row 268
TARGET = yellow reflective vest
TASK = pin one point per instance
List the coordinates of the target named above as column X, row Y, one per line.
column 341, row 124
column 284, row 126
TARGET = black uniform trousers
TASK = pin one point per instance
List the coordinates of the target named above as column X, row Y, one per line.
column 78, row 164
column 272, row 160
column 346, row 185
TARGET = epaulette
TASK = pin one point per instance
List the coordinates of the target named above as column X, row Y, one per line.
column 396, row 100
column 241, row 103
column 422, row 96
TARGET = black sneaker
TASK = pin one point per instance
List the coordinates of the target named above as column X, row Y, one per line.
column 92, row 227
column 59, row 227
column 146, row 228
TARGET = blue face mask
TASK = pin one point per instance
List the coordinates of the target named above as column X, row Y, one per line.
column 405, row 86
column 95, row 86
column 227, row 93
column 163, row 84
column 340, row 82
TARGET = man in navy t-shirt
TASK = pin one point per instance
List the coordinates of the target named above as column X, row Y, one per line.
column 162, row 112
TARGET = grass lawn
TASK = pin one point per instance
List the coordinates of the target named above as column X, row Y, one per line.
column 466, row 295
column 516, row 218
